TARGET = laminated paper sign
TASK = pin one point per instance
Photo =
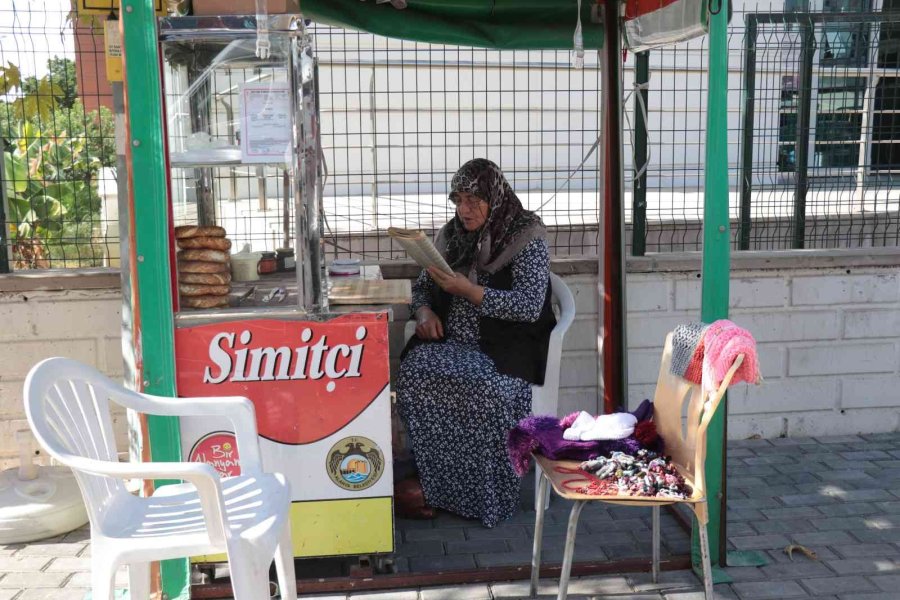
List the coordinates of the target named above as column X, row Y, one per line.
column 112, row 42
column 322, row 399
column 266, row 132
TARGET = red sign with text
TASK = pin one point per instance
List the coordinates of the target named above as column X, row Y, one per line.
column 307, row 379
column 220, row 450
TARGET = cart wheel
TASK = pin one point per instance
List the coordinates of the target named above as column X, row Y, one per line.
column 385, row 565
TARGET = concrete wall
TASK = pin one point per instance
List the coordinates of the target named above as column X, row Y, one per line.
column 827, row 329
column 827, row 325
column 74, row 315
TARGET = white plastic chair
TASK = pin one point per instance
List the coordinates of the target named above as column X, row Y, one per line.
column 544, row 398
column 246, row 517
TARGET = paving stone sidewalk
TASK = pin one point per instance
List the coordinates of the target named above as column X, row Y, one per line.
column 838, row 496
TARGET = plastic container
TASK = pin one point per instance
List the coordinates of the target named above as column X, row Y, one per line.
column 267, row 263
column 245, row 265
column 284, row 258
column 344, row 267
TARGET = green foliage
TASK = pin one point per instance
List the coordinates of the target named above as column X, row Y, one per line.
column 62, row 80
column 53, row 150
column 10, row 78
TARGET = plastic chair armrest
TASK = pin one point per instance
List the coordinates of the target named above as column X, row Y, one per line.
column 409, row 330
column 237, row 409
column 201, row 475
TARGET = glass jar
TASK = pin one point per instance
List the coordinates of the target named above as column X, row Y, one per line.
column 284, row 258
column 267, row 263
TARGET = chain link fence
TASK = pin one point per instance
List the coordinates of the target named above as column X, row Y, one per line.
column 814, row 150
column 57, row 135
column 810, row 128
column 399, row 118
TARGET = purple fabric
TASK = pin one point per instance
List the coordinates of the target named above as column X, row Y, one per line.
column 644, row 411
column 544, row 434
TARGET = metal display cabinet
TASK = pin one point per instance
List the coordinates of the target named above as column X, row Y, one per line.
column 244, row 154
column 243, row 136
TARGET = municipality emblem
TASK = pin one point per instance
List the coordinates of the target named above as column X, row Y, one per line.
column 355, row 463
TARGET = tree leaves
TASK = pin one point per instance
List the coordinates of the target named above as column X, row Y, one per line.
column 10, row 78
column 53, row 151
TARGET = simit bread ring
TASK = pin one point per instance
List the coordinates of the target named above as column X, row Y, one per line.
column 204, row 301
column 197, row 266
column 208, row 243
column 192, row 289
column 205, row 278
column 192, row 231
column 215, row 256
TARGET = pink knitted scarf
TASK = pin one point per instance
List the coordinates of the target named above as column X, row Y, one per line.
column 723, row 341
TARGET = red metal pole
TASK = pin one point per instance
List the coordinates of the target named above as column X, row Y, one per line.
column 613, row 276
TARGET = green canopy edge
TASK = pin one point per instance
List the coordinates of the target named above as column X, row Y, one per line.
column 498, row 24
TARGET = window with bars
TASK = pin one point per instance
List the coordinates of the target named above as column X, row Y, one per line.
column 885, row 153
column 856, row 98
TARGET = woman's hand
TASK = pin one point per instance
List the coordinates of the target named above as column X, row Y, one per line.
column 428, row 325
column 458, row 285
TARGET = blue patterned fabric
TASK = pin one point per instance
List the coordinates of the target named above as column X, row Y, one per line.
column 458, row 409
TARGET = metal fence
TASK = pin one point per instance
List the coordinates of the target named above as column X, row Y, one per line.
column 810, row 127
column 399, row 118
column 820, row 150
column 57, row 133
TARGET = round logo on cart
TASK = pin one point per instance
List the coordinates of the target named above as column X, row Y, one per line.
column 355, row 463
column 218, row 449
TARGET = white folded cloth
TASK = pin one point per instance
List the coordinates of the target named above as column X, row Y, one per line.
column 586, row 427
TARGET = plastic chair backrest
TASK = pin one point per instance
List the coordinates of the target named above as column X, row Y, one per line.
column 683, row 427
column 67, row 405
column 545, row 398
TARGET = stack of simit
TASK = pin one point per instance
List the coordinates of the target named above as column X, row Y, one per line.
column 204, row 266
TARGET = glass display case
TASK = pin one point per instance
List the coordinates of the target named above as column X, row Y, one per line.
column 243, row 141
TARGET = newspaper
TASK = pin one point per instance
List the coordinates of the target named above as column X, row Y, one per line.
column 419, row 248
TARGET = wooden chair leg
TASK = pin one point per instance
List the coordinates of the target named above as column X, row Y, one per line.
column 539, row 505
column 655, row 566
column 570, row 549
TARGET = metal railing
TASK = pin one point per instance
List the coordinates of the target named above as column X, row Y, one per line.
column 813, row 116
column 814, row 138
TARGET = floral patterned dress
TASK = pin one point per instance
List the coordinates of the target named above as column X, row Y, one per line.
column 458, row 409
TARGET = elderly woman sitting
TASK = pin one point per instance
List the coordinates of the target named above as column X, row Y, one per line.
column 481, row 340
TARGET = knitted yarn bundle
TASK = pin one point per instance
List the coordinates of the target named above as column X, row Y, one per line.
column 644, row 473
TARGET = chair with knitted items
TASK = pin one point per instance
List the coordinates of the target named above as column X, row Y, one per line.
column 246, row 517
column 684, row 442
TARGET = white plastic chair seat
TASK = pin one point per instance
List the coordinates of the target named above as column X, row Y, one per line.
column 171, row 523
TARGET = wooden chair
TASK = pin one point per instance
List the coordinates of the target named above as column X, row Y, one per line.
column 685, row 443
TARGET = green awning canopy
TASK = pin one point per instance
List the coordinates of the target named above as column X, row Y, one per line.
column 500, row 24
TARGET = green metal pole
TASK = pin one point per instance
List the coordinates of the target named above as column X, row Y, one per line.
column 148, row 182
column 746, row 167
column 639, row 204
column 804, row 110
column 716, row 240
